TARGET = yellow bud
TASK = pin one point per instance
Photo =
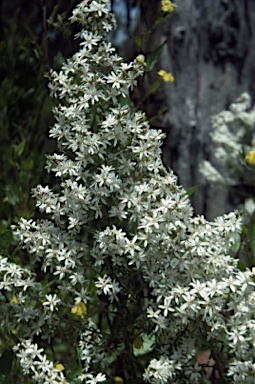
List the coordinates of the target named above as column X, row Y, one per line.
column 141, row 59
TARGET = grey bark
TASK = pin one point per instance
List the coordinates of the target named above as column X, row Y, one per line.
column 210, row 50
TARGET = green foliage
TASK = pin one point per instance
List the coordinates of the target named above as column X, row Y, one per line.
column 25, row 117
column 5, row 241
column 139, row 42
column 191, row 190
column 152, row 89
column 25, row 113
column 153, row 57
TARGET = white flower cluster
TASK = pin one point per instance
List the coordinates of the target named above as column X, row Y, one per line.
column 33, row 360
column 91, row 348
column 233, row 134
column 120, row 226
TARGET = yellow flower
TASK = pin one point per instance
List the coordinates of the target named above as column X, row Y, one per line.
column 59, row 366
column 141, row 59
column 167, row 6
column 250, row 158
column 79, row 309
column 14, row 300
column 167, row 77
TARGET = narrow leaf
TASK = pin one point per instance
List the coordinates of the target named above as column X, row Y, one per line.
column 137, row 41
column 53, row 13
column 192, row 190
column 153, row 57
column 160, row 19
column 152, row 89
column 160, row 113
column 20, row 148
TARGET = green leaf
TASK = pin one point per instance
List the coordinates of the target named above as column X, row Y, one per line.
column 5, row 240
column 161, row 17
column 6, row 362
column 241, row 266
column 28, row 93
column 153, row 57
column 251, row 234
column 160, row 113
column 12, row 192
column 192, row 190
column 58, row 60
column 126, row 101
column 152, row 89
column 27, row 165
column 137, row 41
column 53, row 14
column 20, row 148
column 244, row 230
column 235, row 247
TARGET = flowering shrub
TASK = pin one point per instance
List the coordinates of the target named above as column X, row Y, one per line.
column 122, row 271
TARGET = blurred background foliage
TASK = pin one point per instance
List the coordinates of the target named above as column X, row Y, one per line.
column 34, row 37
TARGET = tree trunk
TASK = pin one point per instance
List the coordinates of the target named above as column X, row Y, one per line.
column 210, row 52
